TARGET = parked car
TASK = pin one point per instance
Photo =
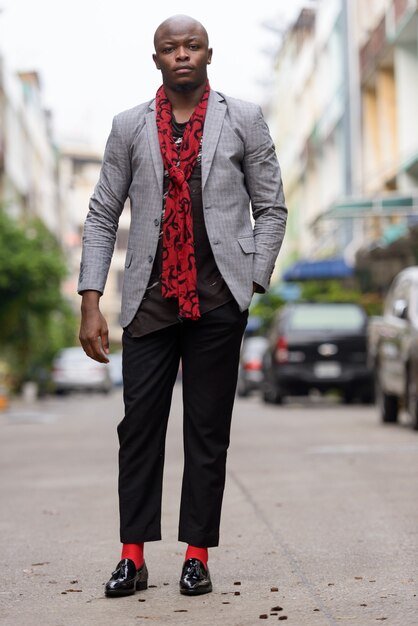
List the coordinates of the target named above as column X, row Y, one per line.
column 73, row 370
column 115, row 367
column 392, row 346
column 250, row 373
column 320, row 346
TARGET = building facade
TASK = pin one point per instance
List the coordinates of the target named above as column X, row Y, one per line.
column 79, row 168
column 38, row 179
column 346, row 127
column 28, row 163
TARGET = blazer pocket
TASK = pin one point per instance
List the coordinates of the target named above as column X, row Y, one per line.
column 128, row 258
column 247, row 244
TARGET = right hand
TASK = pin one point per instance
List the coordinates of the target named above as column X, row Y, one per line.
column 94, row 333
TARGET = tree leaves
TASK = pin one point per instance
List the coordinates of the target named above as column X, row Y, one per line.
column 35, row 319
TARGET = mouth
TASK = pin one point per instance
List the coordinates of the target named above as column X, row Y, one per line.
column 184, row 69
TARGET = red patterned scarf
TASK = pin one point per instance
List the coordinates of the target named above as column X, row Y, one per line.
column 179, row 279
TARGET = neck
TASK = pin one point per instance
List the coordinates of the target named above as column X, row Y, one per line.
column 184, row 102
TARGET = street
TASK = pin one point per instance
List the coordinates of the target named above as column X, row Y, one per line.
column 319, row 527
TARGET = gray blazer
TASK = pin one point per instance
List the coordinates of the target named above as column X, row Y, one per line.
column 239, row 165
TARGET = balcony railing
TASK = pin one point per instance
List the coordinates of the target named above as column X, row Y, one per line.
column 397, row 14
column 372, row 50
column 385, row 33
column 399, row 10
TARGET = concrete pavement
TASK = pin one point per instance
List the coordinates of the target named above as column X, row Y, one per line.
column 320, row 519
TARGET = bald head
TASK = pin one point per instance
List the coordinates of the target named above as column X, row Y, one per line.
column 182, row 53
column 178, row 25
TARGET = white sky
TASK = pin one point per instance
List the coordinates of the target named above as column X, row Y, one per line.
column 94, row 56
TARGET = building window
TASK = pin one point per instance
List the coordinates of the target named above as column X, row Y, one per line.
column 122, row 239
column 119, row 280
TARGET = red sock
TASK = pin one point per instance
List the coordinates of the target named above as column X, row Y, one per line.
column 134, row 551
column 197, row 553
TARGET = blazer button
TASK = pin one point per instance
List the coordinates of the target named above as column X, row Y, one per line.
column 156, row 222
column 150, row 259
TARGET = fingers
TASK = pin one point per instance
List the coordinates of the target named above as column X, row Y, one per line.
column 94, row 336
column 105, row 341
column 93, row 349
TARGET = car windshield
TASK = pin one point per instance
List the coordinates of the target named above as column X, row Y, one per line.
column 72, row 356
column 327, row 317
column 255, row 345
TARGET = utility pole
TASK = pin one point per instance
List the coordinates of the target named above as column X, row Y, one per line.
column 347, row 119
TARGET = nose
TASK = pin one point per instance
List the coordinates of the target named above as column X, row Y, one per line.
column 182, row 53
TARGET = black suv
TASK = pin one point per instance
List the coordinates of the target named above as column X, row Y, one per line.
column 320, row 346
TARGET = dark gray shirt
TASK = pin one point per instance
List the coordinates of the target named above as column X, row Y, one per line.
column 156, row 312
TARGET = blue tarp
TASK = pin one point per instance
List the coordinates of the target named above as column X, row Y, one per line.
column 335, row 267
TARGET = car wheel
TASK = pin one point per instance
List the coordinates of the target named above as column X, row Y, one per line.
column 348, row 396
column 412, row 399
column 388, row 405
column 272, row 396
column 367, row 398
column 242, row 391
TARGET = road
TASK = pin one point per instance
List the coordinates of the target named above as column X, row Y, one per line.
column 320, row 519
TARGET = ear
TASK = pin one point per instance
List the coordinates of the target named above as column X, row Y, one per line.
column 210, row 52
column 157, row 65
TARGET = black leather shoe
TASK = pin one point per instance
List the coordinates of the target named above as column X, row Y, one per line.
column 126, row 579
column 195, row 578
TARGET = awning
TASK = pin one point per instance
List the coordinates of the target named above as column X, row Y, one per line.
column 335, row 267
column 387, row 205
column 393, row 232
column 254, row 324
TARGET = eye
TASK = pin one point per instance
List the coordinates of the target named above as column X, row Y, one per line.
column 194, row 46
column 167, row 50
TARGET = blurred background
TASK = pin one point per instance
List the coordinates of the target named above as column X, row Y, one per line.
column 338, row 84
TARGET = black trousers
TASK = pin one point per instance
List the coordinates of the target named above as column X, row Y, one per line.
column 209, row 351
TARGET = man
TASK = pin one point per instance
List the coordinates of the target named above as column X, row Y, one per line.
column 190, row 160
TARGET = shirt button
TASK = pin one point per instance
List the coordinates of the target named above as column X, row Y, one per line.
column 216, row 242
column 156, row 222
column 150, row 259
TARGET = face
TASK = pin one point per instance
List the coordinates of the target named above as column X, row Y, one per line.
column 182, row 54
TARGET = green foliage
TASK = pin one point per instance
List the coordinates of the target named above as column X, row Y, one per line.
column 265, row 307
column 35, row 320
column 340, row 291
column 329, row 291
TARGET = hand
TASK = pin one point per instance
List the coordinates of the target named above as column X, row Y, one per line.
column 94, row 334
column 257, row 288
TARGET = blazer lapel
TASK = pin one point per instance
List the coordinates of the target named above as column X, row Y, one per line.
column 213, row 123
column 154, row 144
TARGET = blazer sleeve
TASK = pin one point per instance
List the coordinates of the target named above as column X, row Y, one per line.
column 264, row 184
column 105, row 207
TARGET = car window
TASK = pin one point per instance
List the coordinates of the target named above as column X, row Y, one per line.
column 400, row 292
column 327, row 317
column 72, row 355
column 388, row 307
column 397, row 291
column 255, row 343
